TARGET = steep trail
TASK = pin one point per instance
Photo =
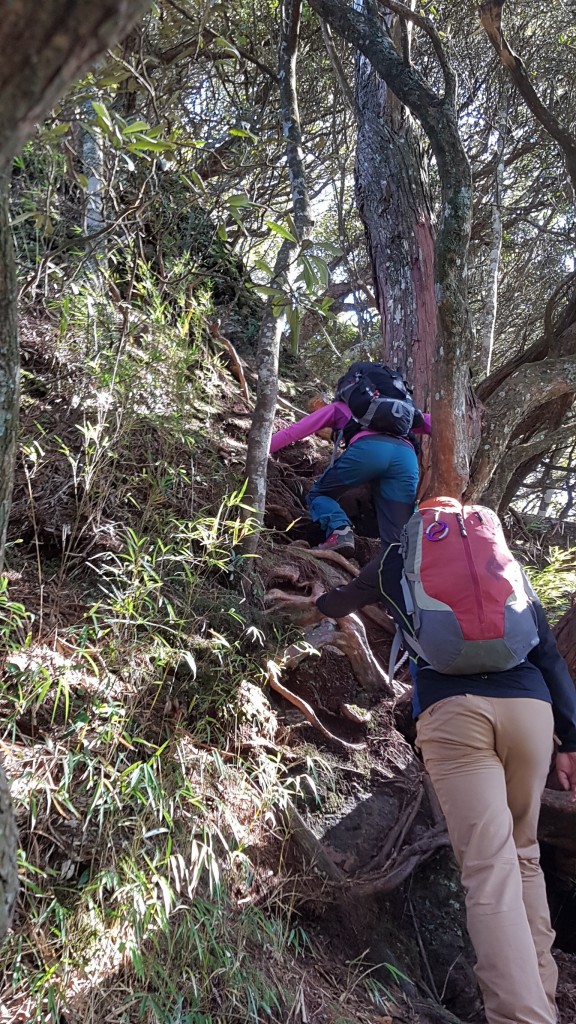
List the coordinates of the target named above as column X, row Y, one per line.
column 386, row 833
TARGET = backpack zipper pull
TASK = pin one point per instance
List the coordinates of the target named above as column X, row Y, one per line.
column 463, row 530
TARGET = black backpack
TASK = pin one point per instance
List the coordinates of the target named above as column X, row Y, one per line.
column 379, row 399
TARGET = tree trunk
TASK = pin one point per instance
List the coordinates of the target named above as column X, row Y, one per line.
column 260, row 434
column 94, row 217
column 393, row 201
column 44, row 47
column 272, row 322
column 456, row 425
column 9, row 364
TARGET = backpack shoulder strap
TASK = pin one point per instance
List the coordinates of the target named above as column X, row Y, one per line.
column 400, row 640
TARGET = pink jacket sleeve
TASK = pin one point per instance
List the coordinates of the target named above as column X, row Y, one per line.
column 335, row 415
column 426, row 427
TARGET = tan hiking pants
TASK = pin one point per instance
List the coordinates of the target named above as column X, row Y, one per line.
column 488, row 758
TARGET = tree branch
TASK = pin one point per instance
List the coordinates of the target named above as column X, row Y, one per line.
column 427, row 26
column 531, row 387
column 336, row 63
column 491, row 19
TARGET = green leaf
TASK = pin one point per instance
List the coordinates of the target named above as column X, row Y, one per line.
column 22, row 217
column 102, row 112
column 222, row 233
column 321, row 270
column 193, row 180
column 242, row 133
column 332, row 250
column 59, row 129
column 309, row 274
column 236, row 216
column 279, row 230
column 224, row 44
column 150, row 146
column 239, row 199
column 136, row 126
column 263, row 289
column 264, row 267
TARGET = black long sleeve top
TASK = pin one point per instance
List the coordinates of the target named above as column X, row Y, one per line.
column 543, row 675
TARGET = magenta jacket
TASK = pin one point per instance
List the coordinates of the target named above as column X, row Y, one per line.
column 336, row 416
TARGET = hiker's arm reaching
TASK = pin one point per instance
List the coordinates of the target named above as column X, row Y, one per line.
column 379, row 580
column 548, row 659
column 335, row 415
column 424, row 427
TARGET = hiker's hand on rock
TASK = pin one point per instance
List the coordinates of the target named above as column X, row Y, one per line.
column 566, row 771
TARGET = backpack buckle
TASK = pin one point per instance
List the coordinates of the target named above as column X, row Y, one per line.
column 437, row 530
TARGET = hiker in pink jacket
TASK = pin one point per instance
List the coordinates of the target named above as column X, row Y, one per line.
column 387, row 462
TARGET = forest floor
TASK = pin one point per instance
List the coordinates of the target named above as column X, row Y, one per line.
column 194, row 849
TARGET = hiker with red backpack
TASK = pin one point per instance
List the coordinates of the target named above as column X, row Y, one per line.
column 373, row 415
column 490, row 692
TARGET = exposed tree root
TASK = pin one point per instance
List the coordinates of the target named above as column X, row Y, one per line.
column 406, row 862
column 379, row 618
column 236, row 365
column 329, row 556
column 383, row 881
column 349, row 639
column 353, row 642
column 310, row 845
column 396, row 836
column 308, row 712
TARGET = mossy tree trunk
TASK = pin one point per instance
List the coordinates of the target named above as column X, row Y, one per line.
column 44, row 47
column 393, row 199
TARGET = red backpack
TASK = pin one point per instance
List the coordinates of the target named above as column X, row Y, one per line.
column 470, row 603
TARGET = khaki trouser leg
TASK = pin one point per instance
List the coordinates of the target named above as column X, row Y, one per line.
column 488, row 759
column 514, row 717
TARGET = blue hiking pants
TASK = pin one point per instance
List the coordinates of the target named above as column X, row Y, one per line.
column 389, row 465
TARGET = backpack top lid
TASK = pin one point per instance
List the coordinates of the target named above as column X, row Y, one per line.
column 378, row 399
column 450, row 504
column 389, row 382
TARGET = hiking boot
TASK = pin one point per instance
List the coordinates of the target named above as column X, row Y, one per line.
column 340, row 540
